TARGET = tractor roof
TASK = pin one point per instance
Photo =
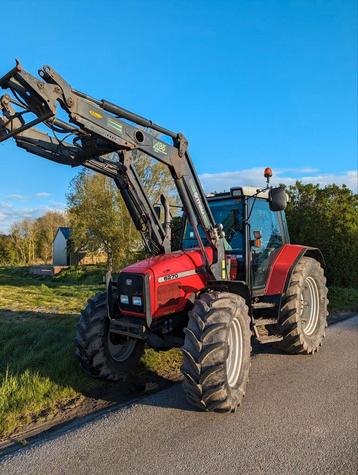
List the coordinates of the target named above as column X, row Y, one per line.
column 240, row 191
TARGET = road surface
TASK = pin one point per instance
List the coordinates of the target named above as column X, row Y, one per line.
column 299, row 416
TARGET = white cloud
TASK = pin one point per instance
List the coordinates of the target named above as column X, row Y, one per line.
column 20, row 197
column 5, row 204
column 254, row 177
column 15, row 207
column 9, row 214
column 42, row 194
column 15, row 196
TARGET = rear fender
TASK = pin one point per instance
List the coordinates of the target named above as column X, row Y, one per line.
column 285, row 261
column 315, row 253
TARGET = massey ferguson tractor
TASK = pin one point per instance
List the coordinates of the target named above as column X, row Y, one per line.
column 235, row 278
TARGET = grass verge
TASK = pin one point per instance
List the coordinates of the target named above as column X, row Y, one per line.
column 39, row 375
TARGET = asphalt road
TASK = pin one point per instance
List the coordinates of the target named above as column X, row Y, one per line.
column 299, row 416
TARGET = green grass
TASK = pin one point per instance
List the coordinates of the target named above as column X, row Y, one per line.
column 39, row 375
column 38, row 371
column 47, row 293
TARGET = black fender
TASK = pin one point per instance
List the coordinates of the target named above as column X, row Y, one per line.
column 315, row 253
column 233, row 286
column 112, row 296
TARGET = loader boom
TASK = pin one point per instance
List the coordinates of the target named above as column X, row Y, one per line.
column 105, row 139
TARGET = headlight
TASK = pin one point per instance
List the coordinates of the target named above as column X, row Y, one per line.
column 124, row 299
column 137, row 301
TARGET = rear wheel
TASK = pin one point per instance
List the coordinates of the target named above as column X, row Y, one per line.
column 104, row 354
column 303, row 316
column 216, row 352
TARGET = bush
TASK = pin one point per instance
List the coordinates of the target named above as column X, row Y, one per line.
column 327, row 218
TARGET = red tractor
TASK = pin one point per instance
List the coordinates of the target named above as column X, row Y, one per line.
column 235, row 277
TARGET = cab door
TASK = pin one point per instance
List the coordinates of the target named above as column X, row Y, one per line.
column 266, row 236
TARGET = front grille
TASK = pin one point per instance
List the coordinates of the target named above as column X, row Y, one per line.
column 131, row 285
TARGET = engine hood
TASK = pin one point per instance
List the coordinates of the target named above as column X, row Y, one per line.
column 167, row 265
column 173, row 279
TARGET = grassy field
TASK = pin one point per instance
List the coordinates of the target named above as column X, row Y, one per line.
column 39, row 375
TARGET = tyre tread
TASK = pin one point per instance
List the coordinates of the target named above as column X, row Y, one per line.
column 205, row 352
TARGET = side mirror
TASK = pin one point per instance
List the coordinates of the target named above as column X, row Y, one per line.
column 277, row 199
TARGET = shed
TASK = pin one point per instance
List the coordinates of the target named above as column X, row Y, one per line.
column 62, row 247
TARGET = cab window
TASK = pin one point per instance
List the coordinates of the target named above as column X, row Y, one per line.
column 267, row 224
column 229, row 213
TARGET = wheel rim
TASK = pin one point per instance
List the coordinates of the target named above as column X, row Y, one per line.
column 309, row 306
column 234, row 358
column 120, row 347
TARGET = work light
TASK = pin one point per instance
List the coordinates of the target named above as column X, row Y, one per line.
column 124, row 299
column 137, row 301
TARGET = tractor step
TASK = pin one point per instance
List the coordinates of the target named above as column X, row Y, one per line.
column 263, row 305
column 265, row 321
column 269, row 338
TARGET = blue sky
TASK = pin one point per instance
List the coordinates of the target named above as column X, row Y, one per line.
column 250, row 83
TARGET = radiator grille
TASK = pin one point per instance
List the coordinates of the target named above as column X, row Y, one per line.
column 131, row 285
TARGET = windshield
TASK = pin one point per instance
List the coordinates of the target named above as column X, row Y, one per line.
column 229, row 213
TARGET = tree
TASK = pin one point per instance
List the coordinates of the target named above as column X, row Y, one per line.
column 7, row 253
column 23, row 237
column 99, row 218
column 30, row 240
column 327, row 218
column 46, row 228
column 155, row 178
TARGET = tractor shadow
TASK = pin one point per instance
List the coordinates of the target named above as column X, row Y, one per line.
column 271, row 349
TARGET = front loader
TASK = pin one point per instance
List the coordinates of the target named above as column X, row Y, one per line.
column 235, row 278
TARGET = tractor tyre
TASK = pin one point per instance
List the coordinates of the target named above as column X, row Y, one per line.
column 103, row 354
column 216, row 352
column 303, row 315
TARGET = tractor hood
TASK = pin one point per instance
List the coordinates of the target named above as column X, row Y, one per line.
column 171, row 266
column 174, row 279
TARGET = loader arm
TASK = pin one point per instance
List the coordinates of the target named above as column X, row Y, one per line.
column 105, row 139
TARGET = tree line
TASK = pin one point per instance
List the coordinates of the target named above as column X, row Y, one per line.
column 30, row 240
column 98, row 218
column 325, row 217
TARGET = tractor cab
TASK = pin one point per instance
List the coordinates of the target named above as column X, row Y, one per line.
column 253, row 233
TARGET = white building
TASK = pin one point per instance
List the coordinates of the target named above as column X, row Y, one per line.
column 62, row 247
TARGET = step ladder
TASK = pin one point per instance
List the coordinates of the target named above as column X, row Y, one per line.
column 260, row 324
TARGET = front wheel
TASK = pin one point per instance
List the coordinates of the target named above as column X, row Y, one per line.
column 303, row 316
column 103, row 354
column 216, row 352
